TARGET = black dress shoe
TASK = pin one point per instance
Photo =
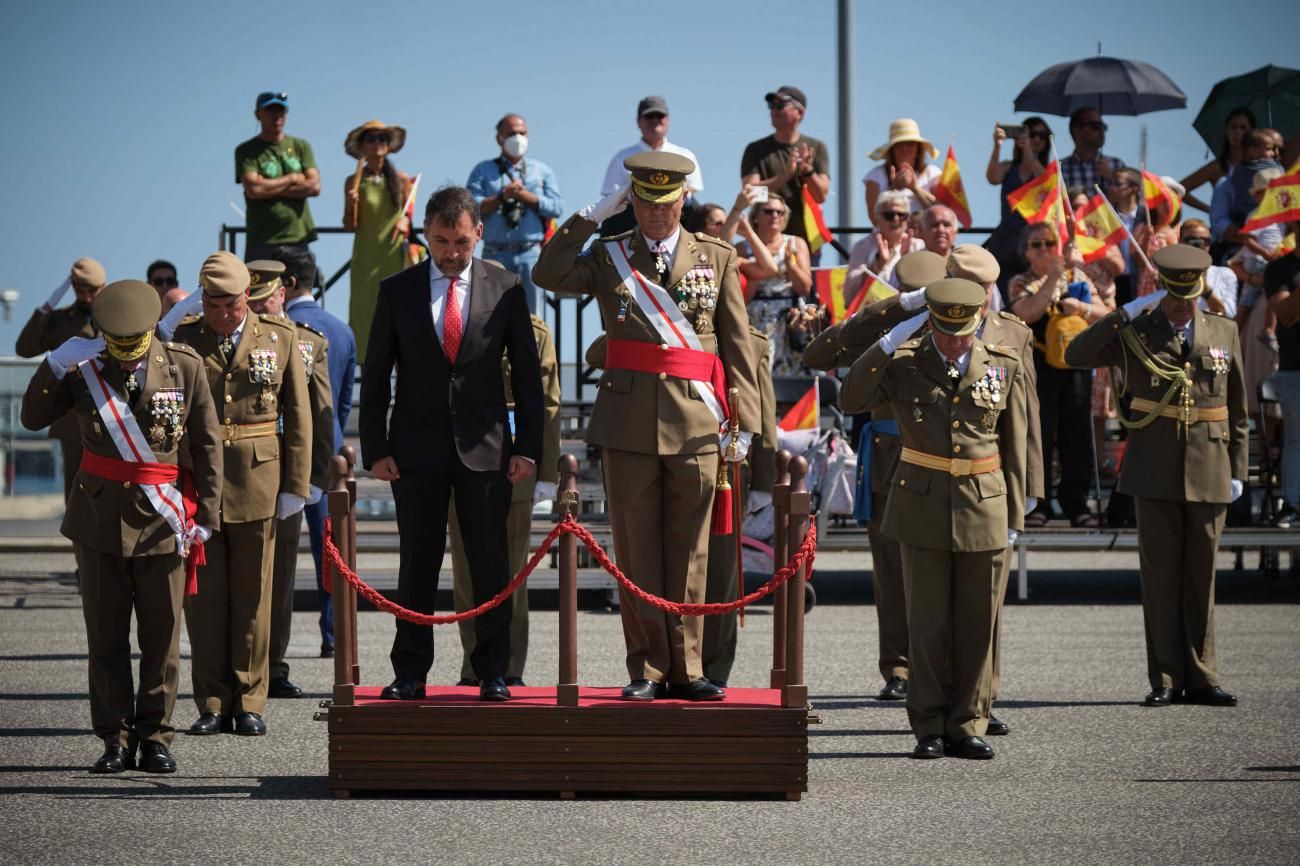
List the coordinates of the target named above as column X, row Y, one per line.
column 114, row 760
column 280, row 687
column 929, row 747
column 703, row 690
column 1209, row 697
column 972, row 748
column 327, row 650
column 249, row 725
column 642, row 690
column 493, row 689
column 513, row 682
column 1160, row 697
column 155, row 758
column 894, row 690
column 210, row 723
column 402, row 689
column 997, row 727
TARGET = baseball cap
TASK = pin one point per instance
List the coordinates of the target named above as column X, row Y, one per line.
column 271, row 97
column 786, row 91
column 652, row 105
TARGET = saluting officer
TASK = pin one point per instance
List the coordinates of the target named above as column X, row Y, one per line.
column 259, row 386
column 1186, row 461
column 50, row 327
column 266, row 298
column 678, row 342
column 143, row 410
column 958, row 492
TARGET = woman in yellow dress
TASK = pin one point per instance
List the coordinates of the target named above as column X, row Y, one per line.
column 373, row 199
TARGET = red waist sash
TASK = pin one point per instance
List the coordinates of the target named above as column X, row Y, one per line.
column 680, row 363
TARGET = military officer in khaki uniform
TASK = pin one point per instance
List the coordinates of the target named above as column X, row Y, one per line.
column 50, row 327
column 266, row 298
column 670, row 301
column 519, row 519
column 145, row 416
column 839, row 346
column 1186, row 460
column 259, row 385
column 958, row 493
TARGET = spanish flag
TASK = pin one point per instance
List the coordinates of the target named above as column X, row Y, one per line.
column 830, row 291
column 814, row 224
column 803, row 415
column 1034, row 201
column 549, row 231
column 1281, row 203
column 1096, row 229
column 950, row 191
column 1154, row 191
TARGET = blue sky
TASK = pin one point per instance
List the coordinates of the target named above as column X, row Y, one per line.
column 123, row 116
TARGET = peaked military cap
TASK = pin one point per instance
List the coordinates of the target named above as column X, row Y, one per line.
column 264, row 278
column 126, row 311
column 658, row 177
column 918, row 269
column 973, row 262
column 1182, row 270
column 223, row 275
column 88, row 273
column 955, row 305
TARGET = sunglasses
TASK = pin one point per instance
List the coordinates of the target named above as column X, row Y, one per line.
column 1042, row 245
column 372, row 137
column 1095, row 125
column 777, row 104
column 164, row 282
column 893, row 216
column 773, row 211
column 1038, row 133
column 1196, row 242
column 653, row 116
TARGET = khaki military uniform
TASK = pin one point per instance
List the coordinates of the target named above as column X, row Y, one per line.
column 519, row 519
column 659, row 440
column 1179, row 471
column 951, row 516
column 263, row 386
column 43, row 332
column 127, row 551
column 313, row 350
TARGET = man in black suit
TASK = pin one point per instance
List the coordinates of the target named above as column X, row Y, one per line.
column 445, row 324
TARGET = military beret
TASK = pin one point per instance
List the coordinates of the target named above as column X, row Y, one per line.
column 955, row 305
column 88, row 273
column 223, row 275
column 918, row 269
column 264, row 278
column 973, row 262
column 126, row 308
column 1182, row 269
column 658, row 177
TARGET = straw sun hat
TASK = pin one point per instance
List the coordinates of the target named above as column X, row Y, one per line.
column 901, row 130
column 396, row 137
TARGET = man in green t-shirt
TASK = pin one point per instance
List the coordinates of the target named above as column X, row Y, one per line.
column 278, row 173
column 787, row 160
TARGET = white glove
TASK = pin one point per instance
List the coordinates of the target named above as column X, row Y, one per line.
column 543, row 491
column 611, row 204
column 313, row 494
column 1137, row 305
column 72, row 352
column 201, row 534
column 912, row 301
column 1031, row 503
column 1238, row 488
column 189, row 306
column 898, row 336
column 1012, row 535
column 288, row 504
column 742, row 446
column 57, row 294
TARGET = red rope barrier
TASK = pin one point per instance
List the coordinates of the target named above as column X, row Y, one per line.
column 333, row 558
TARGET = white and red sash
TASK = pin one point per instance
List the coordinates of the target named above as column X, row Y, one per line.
column 659, row 307
column 121, row 425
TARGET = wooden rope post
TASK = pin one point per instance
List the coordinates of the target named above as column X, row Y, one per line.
column 339, row 505
column 780, row 555
column 794, row 693
column 350, row 455
column 566, row 690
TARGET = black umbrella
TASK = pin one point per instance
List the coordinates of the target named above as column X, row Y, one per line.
column 1272, row 93
column 1108, row 84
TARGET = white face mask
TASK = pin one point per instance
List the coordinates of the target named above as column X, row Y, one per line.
column 515, row 146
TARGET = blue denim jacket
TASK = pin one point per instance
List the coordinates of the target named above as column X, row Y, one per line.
column 490, row 176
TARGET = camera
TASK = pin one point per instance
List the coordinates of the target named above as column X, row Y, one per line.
column 512, row 210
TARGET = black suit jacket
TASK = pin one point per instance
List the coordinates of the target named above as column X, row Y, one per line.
column 440, row 406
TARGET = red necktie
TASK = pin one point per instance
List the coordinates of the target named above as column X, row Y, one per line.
column 451, row 323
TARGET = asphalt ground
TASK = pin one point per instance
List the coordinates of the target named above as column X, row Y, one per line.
column 1086, row 776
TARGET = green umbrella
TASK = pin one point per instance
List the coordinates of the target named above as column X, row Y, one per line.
column 1271, row 92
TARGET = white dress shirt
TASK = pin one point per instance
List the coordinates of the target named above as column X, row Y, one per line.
column 616, row 175
column 962, row 363
column 235, row 334
column 438, row 283
column 670, row 248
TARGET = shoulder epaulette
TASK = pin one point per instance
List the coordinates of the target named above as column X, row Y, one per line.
column 183, row 348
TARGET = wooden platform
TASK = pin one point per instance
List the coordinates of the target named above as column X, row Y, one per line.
column 747, row 745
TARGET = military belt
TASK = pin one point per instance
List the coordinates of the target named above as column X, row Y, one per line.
column 954, row 466
column 1185, row 414
column 231, row 432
